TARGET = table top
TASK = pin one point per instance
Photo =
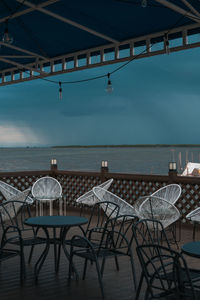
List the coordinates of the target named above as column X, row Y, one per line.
column 56, row 221
column 192, row 249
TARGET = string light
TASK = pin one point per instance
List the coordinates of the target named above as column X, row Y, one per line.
column 166, row 41
column 60, row 90
column 7, row 37
column 109, row 87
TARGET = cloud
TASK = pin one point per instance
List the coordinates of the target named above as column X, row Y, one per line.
column 16, row 136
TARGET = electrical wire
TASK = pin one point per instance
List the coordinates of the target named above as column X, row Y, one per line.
column 120, row 67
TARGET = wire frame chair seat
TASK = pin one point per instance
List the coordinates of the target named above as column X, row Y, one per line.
column 11, row 193
column 89, row 198
column 170, row 192
column 151, row 207
column 104, row 195
column 47, row 189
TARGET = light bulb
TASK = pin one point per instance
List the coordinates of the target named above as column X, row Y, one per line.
column 7, row 37
column 60, row 90
column 167, row 49
column 109, row 87
column 144, row 3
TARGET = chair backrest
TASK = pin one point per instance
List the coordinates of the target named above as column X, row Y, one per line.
column 153, row 207
column 46, row 188
column 89, row 198
column 104, row 195
column 11, row 193
column 163, row 272
column 170, row 192
column 150, row 231
column 120, row 233
column 14, row 213
column 100, row 217
column 194, row 215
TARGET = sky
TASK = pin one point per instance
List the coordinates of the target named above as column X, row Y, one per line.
column 155, row 100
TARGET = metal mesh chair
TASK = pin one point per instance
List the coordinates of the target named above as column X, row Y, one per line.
column 104, row 195
column 114, row 242
column 12, row 216
column 148, row 231
column 164, row 274
column 98, row 219
column 11, row 193
column 151, row 231
column 89, row 198
column 47, row 189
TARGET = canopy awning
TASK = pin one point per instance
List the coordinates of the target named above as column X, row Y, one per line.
column 58, row 36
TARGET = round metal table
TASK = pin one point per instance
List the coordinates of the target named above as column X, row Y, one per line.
column 63, row 223
column 192, row 249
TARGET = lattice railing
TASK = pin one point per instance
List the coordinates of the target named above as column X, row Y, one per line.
column 128, row 186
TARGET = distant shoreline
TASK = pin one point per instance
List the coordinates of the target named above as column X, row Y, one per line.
column 129, row 146
column 107, row 146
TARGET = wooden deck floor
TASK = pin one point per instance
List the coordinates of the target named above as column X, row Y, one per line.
column 118, row 285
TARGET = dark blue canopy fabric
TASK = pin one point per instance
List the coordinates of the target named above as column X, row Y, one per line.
column 119, row 20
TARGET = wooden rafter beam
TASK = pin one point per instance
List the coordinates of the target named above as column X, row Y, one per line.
column 17, row 56
column 22, row 50
column 68, row 21
column 179, row 10
column 28, row 10
column 191, row 8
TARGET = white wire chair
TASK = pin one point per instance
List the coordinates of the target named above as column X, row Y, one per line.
column 153, row 207
column 89, row 198
column 170, row 192
column 194, row 216
column 47, row 189
column 11, row 193
column 124, row 208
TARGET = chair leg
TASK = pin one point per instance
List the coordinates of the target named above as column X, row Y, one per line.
column 133, row 270
column 194, row 230
column 102, row 266
column 174, row 235
column 85, row 268
column 22, row 268
column 100, row 279
column 139, row 286
column 117, row 263
column 70, row 270
column 31, row 254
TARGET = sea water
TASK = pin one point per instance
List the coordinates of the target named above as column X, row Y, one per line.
column 136, row 160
